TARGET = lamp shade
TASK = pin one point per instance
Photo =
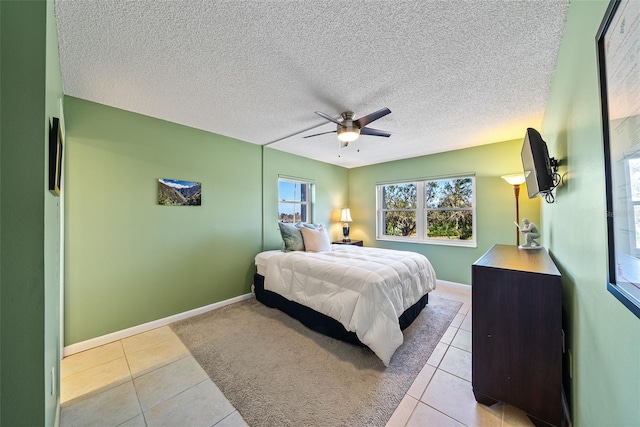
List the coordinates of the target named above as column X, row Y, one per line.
column 345, row 215
column 514, row 179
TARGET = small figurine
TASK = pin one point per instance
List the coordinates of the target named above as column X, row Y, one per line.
column 531, row 233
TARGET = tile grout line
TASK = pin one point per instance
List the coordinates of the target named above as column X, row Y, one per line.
column 234, row 411
column 177, row 394
column 437, row 368
column 419, row 400
column 466, row 305
column 63, row 377
column 100, row 390
column 133, row 384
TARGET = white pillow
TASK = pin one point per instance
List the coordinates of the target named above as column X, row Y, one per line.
column 316, row 240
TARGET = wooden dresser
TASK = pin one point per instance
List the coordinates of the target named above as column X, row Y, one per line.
column 517, row 340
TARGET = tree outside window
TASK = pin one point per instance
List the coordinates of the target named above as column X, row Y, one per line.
column 399, row 209
column 449, row 209
column 440, row 211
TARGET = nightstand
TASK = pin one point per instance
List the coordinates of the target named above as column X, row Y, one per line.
column 352, row 243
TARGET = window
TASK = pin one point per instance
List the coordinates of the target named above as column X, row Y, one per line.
column 294, row 200
column 438, row 211
column 399, row 209
column 633, row 199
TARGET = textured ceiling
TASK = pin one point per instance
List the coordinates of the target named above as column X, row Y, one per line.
column 454, row 73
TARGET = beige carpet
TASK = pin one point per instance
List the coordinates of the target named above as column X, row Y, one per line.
column 277, row 372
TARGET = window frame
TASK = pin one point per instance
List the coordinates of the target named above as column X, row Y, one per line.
column 308, row 204
column 632, row 204
column 421, row 212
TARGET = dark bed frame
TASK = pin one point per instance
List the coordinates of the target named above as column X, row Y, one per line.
column 322, row 323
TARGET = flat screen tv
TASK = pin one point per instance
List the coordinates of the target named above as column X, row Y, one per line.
column 536, row 164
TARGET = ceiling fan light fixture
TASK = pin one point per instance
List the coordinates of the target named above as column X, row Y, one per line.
column 349, row 130
column 346, row 134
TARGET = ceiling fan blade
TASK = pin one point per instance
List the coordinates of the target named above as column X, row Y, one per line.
column 328, row 117
column 363, row 121
column 318, row 134
column 374, row 132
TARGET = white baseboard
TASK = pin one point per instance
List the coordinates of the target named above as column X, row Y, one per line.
column 456, row 285
column 134, row 330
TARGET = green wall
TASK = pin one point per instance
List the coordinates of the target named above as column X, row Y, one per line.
column 495, row 202
column 129, row 260
column 331, row 192
column 603, row 336
column 29, row 226
column 1, row 204
column 52, row 226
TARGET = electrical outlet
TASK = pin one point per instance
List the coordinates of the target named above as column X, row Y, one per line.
column 570, row 363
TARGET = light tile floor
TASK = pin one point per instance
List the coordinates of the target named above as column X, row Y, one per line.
column 442, row 395
column 150, row 379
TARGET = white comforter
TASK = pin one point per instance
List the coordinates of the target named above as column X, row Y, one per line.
column 365, row 289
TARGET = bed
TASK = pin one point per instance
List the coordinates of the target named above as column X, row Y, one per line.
column 357, row 294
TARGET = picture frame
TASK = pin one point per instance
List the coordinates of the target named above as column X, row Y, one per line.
column 55, row 157
column 178, row 192
column 618, row 54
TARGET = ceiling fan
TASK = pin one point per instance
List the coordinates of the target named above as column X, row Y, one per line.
column 349, row 129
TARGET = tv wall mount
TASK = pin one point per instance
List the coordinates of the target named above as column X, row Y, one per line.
column 557, row 180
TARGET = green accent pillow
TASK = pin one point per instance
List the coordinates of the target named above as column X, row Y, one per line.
column 291, row 237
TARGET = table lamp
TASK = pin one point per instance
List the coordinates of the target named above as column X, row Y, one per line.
column 345, row 217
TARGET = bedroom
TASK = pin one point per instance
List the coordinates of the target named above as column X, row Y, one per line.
column 600, row 331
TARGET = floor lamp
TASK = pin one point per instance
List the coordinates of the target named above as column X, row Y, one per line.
column 516, row 180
